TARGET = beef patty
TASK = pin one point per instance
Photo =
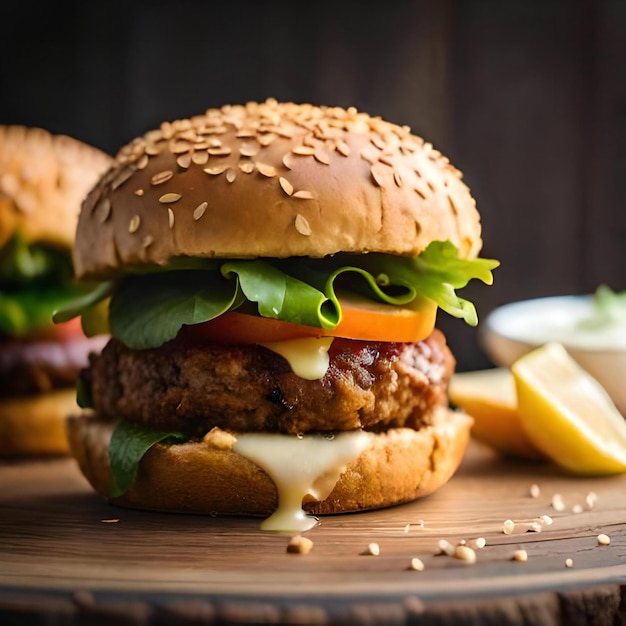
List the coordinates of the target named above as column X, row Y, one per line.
column 38, row 366
column 191, row 387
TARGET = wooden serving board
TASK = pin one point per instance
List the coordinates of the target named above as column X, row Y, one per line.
column 67, row 556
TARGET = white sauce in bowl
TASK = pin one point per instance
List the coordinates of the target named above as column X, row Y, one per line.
column 560, row 319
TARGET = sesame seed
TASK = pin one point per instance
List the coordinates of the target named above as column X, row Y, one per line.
column 569, row 563
column 302, row 225
column 535, row 491
column 603, row 540
column 249, row 150
column 465, row 553
column 416, row 565
column 304, row 150
column 480, row 542
column 184, row 160
column 102, row 210
column 223, row 151
column 520, row 555
column 133, row 226
column 577, row 508
column 288, row 160
column 147, row 241
column 286, row 185
column 397, row 179
column 231, row 175
column 245, row 133
column 545, row 519
column 143, row 161
column 343, row 148
column 170, row 217
column 380, row 173
column 178, row 147
column 372, row 549
column 299, row 545
column 161, row 177
column 304, row 194
column 508, row 526
column 378, row 142
column 139, row 192
column 445, row 547
column 267, row 139
column 122, row 177
column 198, row 212
column 557, row 502
column 266, row 170
column 322, row 156
column 590, row 499
column 369, row 154
column 169, row 198
column 200, row 157
column 153, row 149
column 247, row 167
column 215, row 170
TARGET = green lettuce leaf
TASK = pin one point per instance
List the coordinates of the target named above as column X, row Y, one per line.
column 129, row 443
column 35, row 280
column 80, row 304
column 22, row 312
column 281, row 296
column 22, row 264
column 148, row 309
column 436, row 274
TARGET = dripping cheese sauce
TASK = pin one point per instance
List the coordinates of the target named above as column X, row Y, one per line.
column 302, row 465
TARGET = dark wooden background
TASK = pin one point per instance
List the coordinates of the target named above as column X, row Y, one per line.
column 526, row 97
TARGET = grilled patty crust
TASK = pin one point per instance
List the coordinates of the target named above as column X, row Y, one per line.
column 191, row 387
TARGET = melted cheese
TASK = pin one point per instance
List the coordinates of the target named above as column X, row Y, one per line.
column 308, row 464
column 307, row 357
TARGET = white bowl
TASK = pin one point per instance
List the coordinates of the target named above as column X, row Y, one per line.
column 514, row 329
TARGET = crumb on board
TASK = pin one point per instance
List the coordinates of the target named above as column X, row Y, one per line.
column 465, row 553
column 299, row 545
column 520, row 555
column 416, row 565
column 373, row 549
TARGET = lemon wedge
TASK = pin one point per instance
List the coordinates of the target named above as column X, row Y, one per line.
column 489, row 397
column 567, row 414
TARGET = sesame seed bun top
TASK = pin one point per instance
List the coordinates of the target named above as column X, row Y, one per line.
column 273, row 180
column 43, row 180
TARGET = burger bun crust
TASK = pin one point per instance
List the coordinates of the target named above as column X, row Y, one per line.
column 36, row 425
column 44, row 179
column 208, row 477
column 305, row 180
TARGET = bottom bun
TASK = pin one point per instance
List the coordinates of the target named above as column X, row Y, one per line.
column 209, row 477
column 36, row 425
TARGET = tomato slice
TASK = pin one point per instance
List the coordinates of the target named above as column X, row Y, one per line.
column 65, row 331
column 362, row 319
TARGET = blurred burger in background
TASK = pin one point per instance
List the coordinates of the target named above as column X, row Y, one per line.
column 43, row 180
column 271, row 275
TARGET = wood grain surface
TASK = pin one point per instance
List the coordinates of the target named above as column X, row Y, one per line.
column 69, row 557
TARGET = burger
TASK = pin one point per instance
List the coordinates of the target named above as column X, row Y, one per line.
column 43, row 180
column 270, row 277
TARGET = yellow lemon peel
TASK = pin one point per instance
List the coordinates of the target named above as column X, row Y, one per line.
column 567, row 414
